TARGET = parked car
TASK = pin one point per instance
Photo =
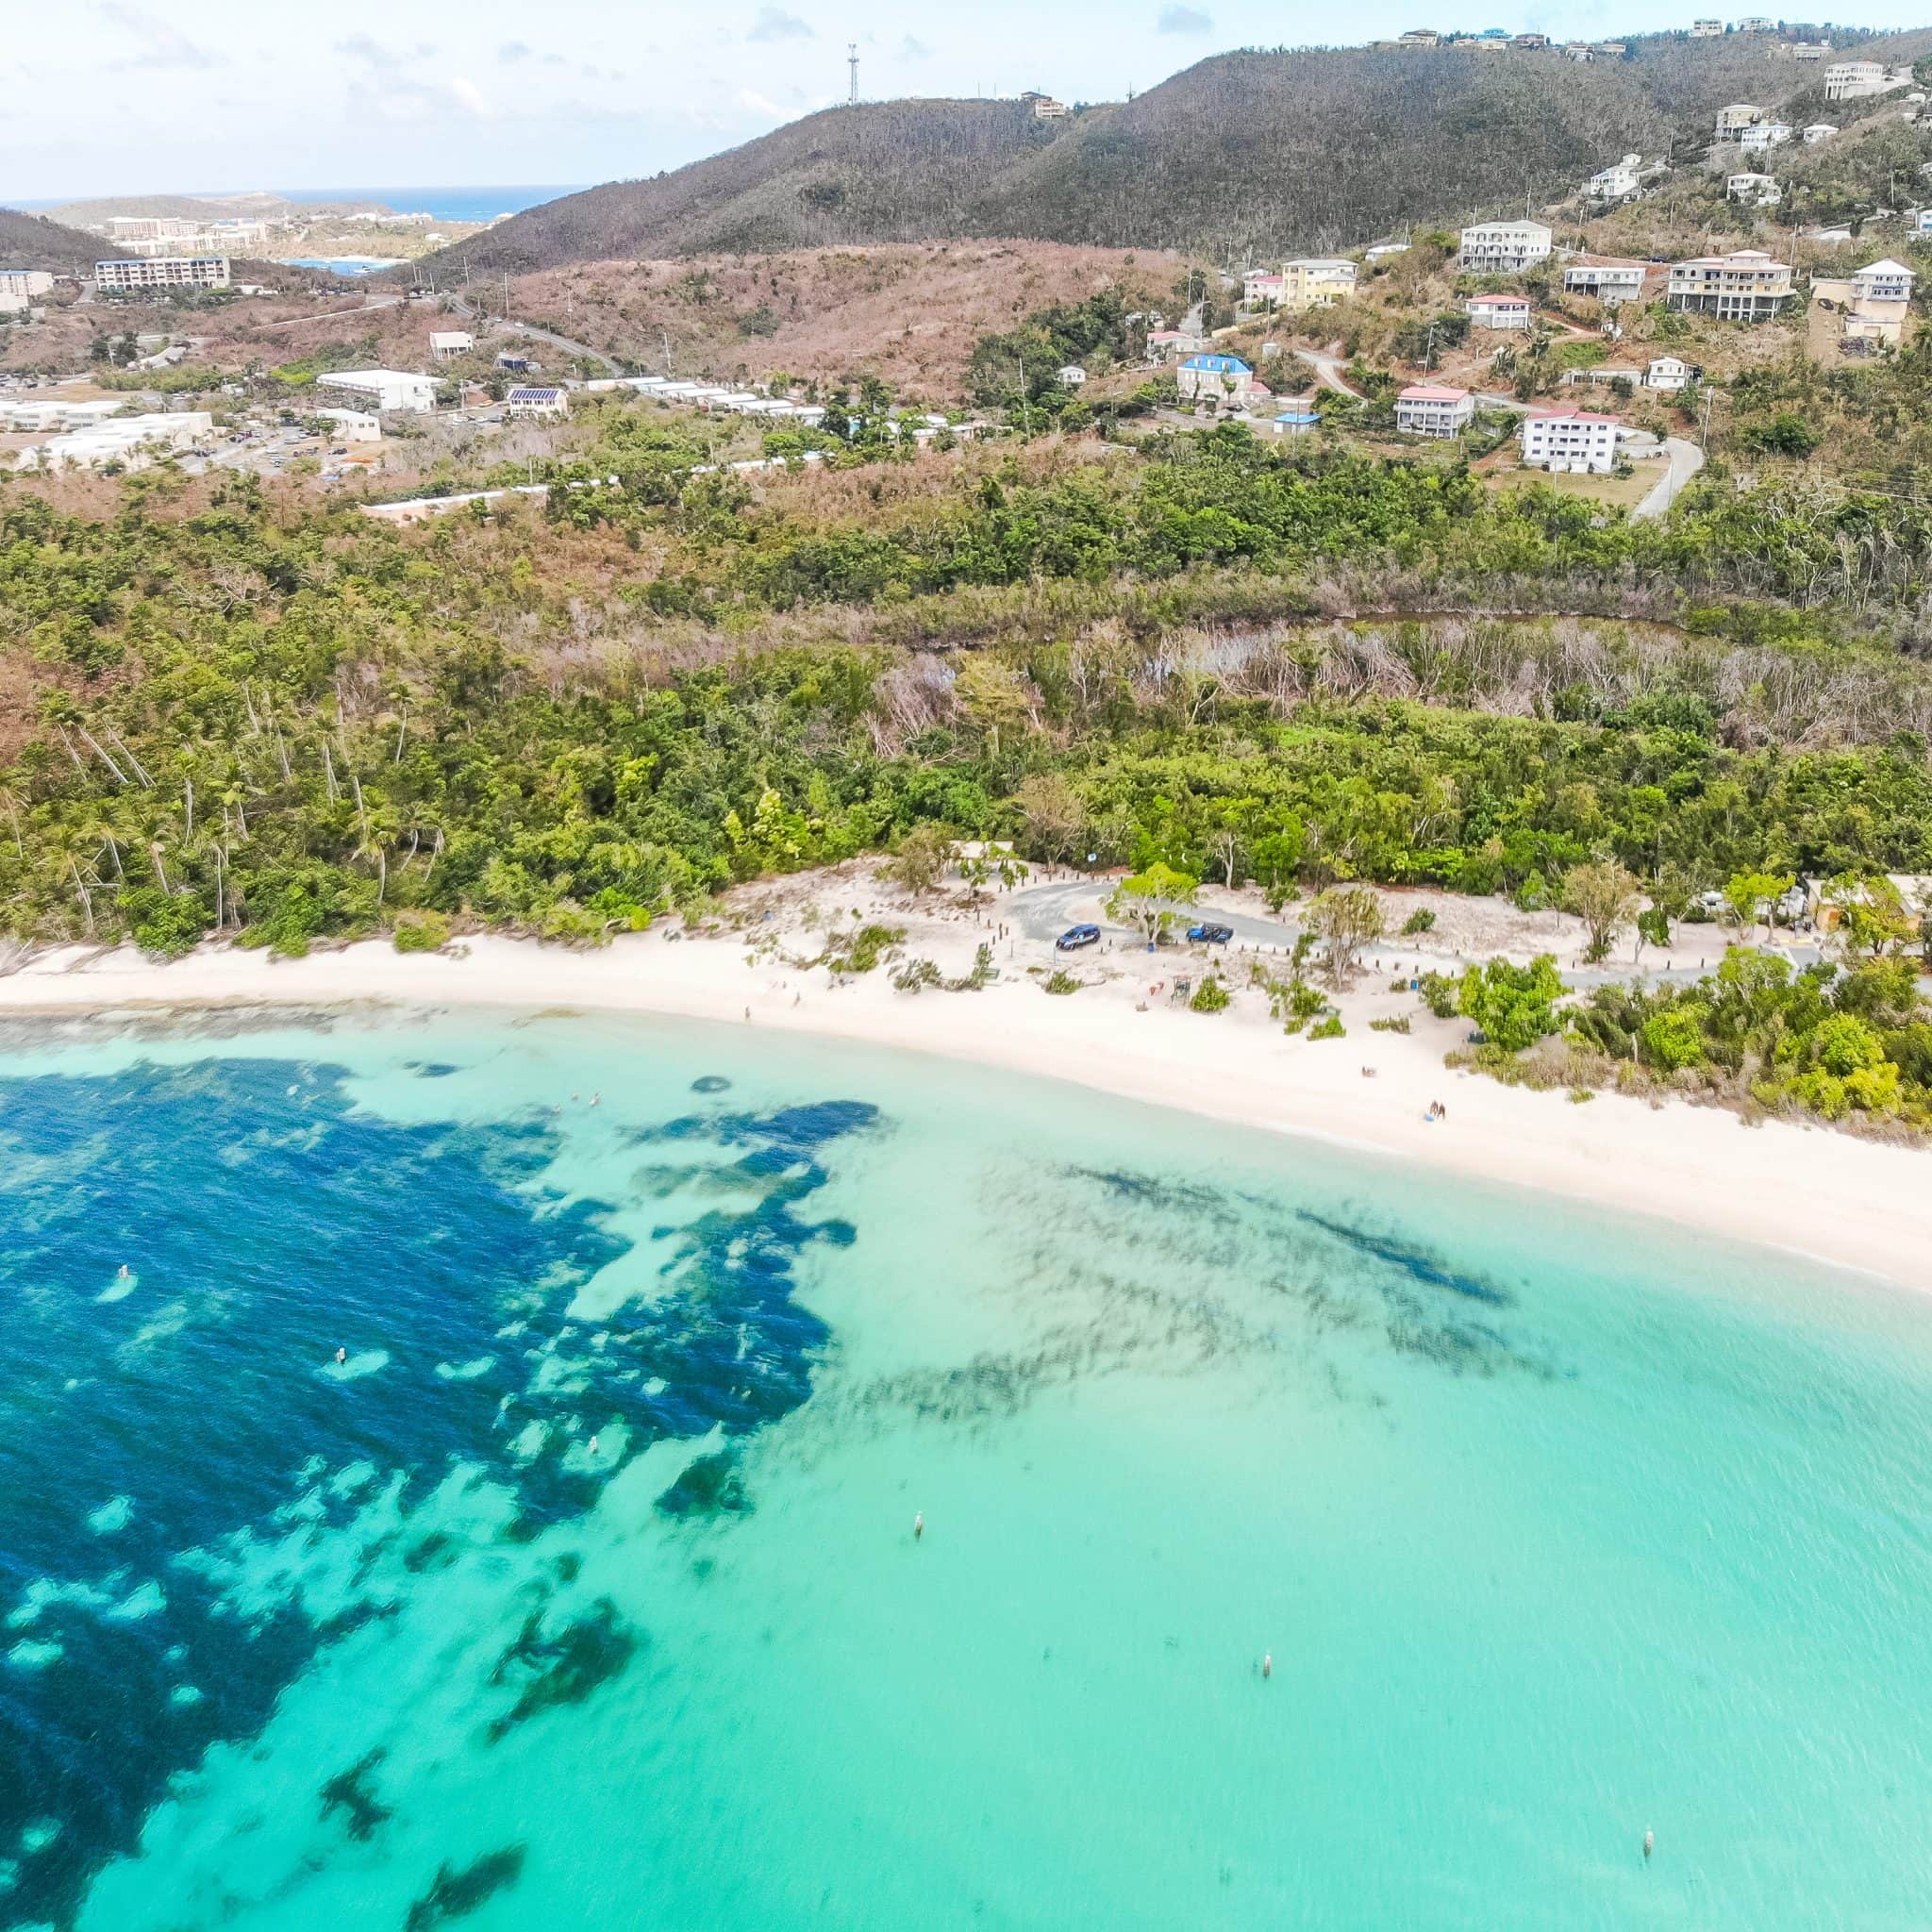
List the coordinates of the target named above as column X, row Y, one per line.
column 1211, row 935
column 1078, row 936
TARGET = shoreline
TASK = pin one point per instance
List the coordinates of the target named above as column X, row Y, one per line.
column 1853, row 1205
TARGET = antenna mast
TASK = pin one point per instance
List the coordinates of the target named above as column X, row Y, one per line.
column 852, row 61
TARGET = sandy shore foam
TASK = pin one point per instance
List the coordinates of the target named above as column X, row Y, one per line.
column 1847, row 1202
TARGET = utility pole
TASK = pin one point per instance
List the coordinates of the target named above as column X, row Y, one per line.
column 505, row 294
column 668, row 370
column 852, row 61
column 1025, row 401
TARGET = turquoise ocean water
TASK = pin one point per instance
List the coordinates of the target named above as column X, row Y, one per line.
column 1557, row 1529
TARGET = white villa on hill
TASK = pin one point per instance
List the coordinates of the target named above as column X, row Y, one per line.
column 1570, row 440
column 1426, row 409
column 1505, row 248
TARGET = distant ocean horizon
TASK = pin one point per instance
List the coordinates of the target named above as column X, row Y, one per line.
column 446, row 204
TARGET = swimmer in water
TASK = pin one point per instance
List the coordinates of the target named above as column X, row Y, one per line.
column 594, row 1445
column 1267, row 1663
column 918, row 1524
column 124, row 1273
column 1649, row 1845
column 341, row 1356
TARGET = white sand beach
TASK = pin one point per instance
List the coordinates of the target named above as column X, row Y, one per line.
column 1849, row 1202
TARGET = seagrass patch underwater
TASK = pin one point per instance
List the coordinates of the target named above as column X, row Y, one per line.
column 487, row 1497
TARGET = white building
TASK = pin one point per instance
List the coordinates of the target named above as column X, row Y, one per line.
column 132, row 442
column 57, row 412
column 1755, row 23
column 446, row 342
column 1505, row 248
column 27, row 282
column 1668, row 374
column 1426, row 409
column 1570, row 440
column 538, row 399
column 1617, row 182
column 1072, row 376
column 1819, row 130
column 1706, row 30
column 1260, row 287
column 161, row 272
column 352, row 425
column 1763, row 135
column 1920, row 220
column 1499, row 311
column 1875, row 302
column 1755, row 190
column 1734, row 120
column 386, row 389
column 1045, row 108
column 1851, row 80
column 1744, row 286
column 1610, row 281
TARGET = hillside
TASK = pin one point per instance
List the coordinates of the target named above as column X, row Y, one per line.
column 1240, row 155
column 903, row 170
column 33, row 241
column 256, row 204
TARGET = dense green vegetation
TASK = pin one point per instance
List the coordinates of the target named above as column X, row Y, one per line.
column 296, row 723
column 1849, row 1044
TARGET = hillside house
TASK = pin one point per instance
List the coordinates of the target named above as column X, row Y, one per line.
column 1419, row 36
column 1262, row 287
column 1072, row 376
column 1219, row 379
column 1809, row 50
column 1734, row 120
column 1612, row 50
column 1819, row 130
column 1617, row 182
column 1853, row 80
column 29, row 282
column 1763, row 136
column 1164, row 344
column 1667, row 374
column 1570, row 440
column 1920, row 220
column 1875, row 302
column 1499, row 311
column 1316, row 282
column 446, row 342
column 1045, row 108
column 1706, row 30
column 1756, row 23
column 1754, row 191
column 1505, row 248
column 1579, row 51
column 1383, row 250
column 1744, row 286
column 1530, row 43
column 1608, row 280
column 1428, row 408
column 537, row 399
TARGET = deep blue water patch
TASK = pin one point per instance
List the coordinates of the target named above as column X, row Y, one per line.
column 268, row 1222
column 711, row 1083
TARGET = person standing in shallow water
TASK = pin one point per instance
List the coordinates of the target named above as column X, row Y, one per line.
column 341, row 1356
column 918, row 1524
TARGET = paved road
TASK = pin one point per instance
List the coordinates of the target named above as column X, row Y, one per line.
column 1686, row 460
column 1045, row 911
column 1328, row 366
column 538, row 334
column 364, row 307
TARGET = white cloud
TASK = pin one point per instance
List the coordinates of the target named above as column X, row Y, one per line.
column 774, row 24
column 161, row 45
column 470, row 98
column 914, row 50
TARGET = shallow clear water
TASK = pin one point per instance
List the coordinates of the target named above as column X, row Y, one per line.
column 1557, row 1529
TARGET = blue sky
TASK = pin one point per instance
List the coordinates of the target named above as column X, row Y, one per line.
column 112, row 96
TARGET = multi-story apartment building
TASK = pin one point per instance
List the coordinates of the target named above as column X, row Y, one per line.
column 1426, row 409
column 1851, row 80
column 1505, row 248
column 1608, row 281
column 161, row 272
column 1732, row 120
column 1570, row 440
column 1744, row 286
column 1316, row 282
